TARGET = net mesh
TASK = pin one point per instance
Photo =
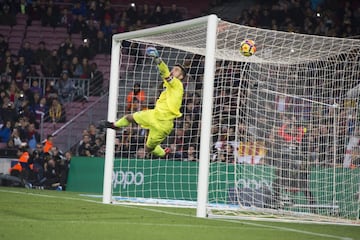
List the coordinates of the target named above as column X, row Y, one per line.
column 285, row 138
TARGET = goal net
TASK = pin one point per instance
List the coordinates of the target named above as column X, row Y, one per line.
column 274, row 135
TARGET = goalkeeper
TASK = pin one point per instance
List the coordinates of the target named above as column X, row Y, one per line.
column 160, row 120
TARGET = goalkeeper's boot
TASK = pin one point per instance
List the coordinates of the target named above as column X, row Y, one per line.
column 107, row 124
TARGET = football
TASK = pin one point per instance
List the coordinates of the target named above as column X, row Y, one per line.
column 247, row 48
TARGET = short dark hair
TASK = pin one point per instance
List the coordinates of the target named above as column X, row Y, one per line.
column 183, row 69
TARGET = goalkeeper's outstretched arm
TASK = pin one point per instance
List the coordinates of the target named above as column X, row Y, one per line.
column 178, row 70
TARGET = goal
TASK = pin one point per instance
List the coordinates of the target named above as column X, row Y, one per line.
column 271, row 136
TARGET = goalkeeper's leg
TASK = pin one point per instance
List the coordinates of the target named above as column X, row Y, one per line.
column 122, row 122
column 155, row 137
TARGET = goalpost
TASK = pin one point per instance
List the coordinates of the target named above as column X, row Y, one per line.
column 271, row 136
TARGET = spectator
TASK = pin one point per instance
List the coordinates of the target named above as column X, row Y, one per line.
column 64, row 51
column 56, row 154
column 93, row 11
column 36, row 100
column 4, row 46
column 41, row 110
column 56, row 112
column 34, row 12
column 6, row 17
column 79, row 8
column 21, row 124
column 13, row 91
column 99, row 147
column 96, row 80
column 51, row 65
column 76, row 69
column 86, row 68
column 26, row 52
column 8, row 111
column 5, row 132
column 108, row 12
column 65, row 19
column 78, row 24
column 145, row 14
column 101, row 45
column 38, row 160
column 33, row 137
column 16, row 139
column 41, row 54
column 122, row 27
column 50, row 17
column 66, row 88
column 135, row 96
column 50, row 91
column 89, row 31
column 84, row 50
column 140, row 153
column 22, row 7
column 158, row 16
column 51, row 173
column 107, row 28
column 35, row 88
column 190, row 154
column 122, row 144
column 19, row 78
column 33, row 72
column 8, row 67
column 131, row 13
column 21, row 68
column 27, row 93
column 64, row 169
column 48, row 144
column 92, row 132
column 85, row 148
column 173, row 15
column 66, row 59
column 24, row 156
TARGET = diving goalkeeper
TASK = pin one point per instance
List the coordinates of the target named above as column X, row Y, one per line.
column 160, row 120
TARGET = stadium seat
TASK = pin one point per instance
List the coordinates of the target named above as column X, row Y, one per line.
column 16, row 33
column 5, row 30
column 21, row 19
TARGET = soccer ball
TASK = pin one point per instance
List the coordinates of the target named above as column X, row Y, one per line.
column 247, row 48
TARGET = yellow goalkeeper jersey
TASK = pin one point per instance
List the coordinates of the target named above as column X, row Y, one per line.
column 168, row 105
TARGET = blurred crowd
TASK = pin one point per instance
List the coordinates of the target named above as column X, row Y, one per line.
column 318, row 17
column 26, row 100
column 312, row 135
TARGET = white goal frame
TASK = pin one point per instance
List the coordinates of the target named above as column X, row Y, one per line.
column 212, row 23
column 282, row 60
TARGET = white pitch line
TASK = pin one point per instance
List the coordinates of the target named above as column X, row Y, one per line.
column 255, row 224
column 186, row 215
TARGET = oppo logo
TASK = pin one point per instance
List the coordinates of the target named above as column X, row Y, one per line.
column 124, row 179
column 255, row 184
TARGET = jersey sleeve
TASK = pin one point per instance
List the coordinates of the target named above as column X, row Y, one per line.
column 164, row 70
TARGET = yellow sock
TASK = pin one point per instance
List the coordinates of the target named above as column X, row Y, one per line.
column 122, row 122
column 158, row 151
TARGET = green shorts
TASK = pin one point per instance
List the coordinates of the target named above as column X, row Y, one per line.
column 158, row 129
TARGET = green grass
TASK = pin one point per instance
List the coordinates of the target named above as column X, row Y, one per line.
column 40, row 214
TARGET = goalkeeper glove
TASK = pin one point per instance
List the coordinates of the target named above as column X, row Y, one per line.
column 153, row 52
column 107, row 124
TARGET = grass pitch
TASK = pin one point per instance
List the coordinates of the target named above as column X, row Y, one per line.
column 40, row 214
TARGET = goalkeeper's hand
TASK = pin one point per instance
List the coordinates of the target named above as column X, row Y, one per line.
column 153, row 52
